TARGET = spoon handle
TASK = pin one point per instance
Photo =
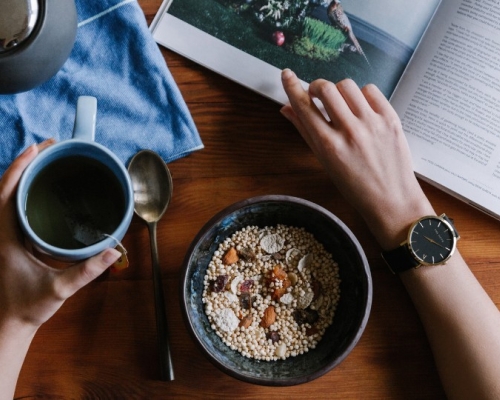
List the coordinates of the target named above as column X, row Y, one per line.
column 166, row 368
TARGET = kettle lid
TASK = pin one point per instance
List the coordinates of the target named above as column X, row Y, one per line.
column 18, row 19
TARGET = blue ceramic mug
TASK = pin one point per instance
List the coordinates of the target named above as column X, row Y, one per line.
column 75, row 199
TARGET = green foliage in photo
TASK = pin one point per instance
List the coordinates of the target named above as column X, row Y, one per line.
column 318, row 41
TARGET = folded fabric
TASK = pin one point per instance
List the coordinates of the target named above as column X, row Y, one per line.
column 116, row 60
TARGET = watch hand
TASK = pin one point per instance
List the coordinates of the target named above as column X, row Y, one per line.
column 433, row 241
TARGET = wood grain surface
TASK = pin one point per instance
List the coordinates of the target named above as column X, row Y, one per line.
column 102, row 343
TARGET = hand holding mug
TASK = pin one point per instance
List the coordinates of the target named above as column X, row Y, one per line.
column 31, row 291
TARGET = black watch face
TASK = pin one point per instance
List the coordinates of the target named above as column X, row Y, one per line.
column 432, row 241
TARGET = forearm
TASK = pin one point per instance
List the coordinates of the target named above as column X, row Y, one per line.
column 463, row 328
column 15, row 339
column 364, row 150
column 461, row 321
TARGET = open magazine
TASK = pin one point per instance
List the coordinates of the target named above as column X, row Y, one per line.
column 437, row 61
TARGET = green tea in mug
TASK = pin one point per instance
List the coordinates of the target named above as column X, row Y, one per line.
column 74, row 202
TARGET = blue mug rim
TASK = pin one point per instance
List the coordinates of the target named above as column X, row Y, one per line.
column 43, row 159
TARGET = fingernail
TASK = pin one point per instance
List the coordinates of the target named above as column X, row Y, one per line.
column 284, row 112
column 29, row 150
column 110, row 256
column 287, row 73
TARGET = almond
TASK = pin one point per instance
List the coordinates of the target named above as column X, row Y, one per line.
column 269, row 317
column 246, row 321
column 230, row 257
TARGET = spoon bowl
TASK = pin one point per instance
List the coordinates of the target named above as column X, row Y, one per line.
column 152, row 185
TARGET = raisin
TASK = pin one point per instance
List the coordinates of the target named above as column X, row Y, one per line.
column 308, row 316
column 246, row 286
column 219, row 283
column 316, row 288
column 245, row 301
column 274, row 336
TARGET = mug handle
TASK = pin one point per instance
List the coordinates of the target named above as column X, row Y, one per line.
column 85, row 118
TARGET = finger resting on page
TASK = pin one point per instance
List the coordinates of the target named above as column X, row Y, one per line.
column 377, row 101
column 303, row 106
column 333, row 100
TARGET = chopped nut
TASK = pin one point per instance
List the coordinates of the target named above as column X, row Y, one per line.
column 234, row 284
column 281, row 350
column 293, row 278
column 230, row 257
column 246, row 321
column 269, row 317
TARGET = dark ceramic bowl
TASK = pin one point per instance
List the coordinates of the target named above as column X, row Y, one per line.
column 352, row 311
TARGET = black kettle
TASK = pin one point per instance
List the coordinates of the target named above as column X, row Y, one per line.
column 36, row 38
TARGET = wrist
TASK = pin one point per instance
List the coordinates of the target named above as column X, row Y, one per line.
column 16, row 329
column 390, row 227
column 15, row 340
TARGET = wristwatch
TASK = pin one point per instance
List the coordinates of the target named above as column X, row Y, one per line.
column 431, row 240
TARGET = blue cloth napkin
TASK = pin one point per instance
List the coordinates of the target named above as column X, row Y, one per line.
column 116, row 60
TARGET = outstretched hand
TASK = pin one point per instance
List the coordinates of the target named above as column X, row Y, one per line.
column 31, row 291
column 363, row 148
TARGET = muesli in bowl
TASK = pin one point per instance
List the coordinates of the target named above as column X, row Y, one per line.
column 270, row 293
column 283, row 275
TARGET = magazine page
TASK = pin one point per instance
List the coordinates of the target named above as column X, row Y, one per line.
column 251, row 41
column 449, row 102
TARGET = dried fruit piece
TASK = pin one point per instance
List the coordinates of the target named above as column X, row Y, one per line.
column 246, row 285
column 313, row 330
column 316, row 288
column 219, row 283
column 230, row 257
column 273, row 336
column 247, row 254
column 305, row 316
column 272, row 243
column 245, row 301
column 268, row 318
column 278, row 273
column 277, row 293
column 246, row 321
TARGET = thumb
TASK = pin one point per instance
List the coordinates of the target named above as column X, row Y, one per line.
column 79, row 275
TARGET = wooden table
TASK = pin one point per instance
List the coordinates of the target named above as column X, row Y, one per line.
column 102, row 343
